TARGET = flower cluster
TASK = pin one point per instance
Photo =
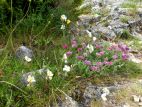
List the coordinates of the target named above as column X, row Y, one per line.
column 94, row 55
column 30, row 80
column 49, row 74
column 64, row 20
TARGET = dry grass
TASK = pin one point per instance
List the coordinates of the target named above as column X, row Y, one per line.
column 125, row 94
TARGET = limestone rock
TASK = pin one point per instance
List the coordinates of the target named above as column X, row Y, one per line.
column 23, row 51
column 69, row 102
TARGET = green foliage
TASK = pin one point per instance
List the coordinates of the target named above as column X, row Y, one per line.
column 126, row 35
column 129, row 5
column 36, row 15
column 124, row 19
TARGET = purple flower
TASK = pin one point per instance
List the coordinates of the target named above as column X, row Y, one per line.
column 80, row 57
column 87, row 62
column 68, row 53
column 125, row 56
column 123, row 48
column 79, row 49
column 93, row 68
column 115, row 57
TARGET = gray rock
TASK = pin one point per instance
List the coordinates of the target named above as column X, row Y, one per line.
column 37, row 74
column 85, row 20
column 123, row 11
column 68, row 102
column 135, row 22
column 91, row 92
column 25, row 77
column 118, row 27
column 112, row 88
column 104, row 32
column 118, row 24
column 23, row 51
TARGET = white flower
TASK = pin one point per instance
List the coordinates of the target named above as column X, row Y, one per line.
column 63, row 18
column 105, row 90
column 62, row 27
column 28, row 59
column 49, row 74
column 90, row 48
column 66, row 68
column 89, row 33
column 30, row 80
column 94, row 39
column 85, row 54
column 110, row 27
column 103, row 96
column 65, row 58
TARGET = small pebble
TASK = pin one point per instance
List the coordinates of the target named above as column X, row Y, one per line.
column 136, row 98
column 126, row 105
column 140, row 104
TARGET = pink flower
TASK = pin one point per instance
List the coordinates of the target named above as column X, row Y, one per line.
column 87, row 62
column 102, row 53
column 115, row 57
column 68, row 53
column 80, row 57
column 65, row 46
column 98, row 54
column 108, row 63
column 98, row 46
column 74, row 43
column 99, row 64
column 79, row 49
column 93, row 68
column 109, row 48
column 105, row 62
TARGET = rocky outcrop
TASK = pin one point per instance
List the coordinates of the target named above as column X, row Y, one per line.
column 110, row 24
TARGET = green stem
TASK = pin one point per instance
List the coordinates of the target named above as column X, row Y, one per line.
column 13, row 86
